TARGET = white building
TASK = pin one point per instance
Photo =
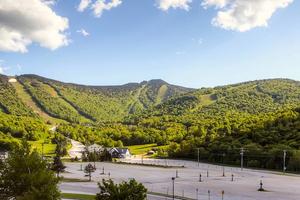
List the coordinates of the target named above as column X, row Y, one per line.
column 120, row 152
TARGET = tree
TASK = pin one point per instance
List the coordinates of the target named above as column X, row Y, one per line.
column 25, row 176
column 89, row 169
column 58, row 165
column 131, row 190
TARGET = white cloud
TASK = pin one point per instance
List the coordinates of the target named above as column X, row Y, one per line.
column 243, row 15
column 100, row 5
column 31, row 21
column 83, row 32
column 175, row 4
column 84, row 4
column 50, row 2
column 216, row 3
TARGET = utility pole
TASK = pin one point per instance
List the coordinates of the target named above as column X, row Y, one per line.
column 284, row 158
column 242, row 158
column 173, row 182
column 223, row 165
column 198, row 153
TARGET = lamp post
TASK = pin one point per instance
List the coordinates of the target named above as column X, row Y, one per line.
column 198, row 156
column 242, row 158
column 173, row 187
column 284, row 158
column 223, row 165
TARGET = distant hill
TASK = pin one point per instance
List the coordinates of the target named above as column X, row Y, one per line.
column 255, row 97
column 80, row 103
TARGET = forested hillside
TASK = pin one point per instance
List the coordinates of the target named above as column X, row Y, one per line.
column 10, row 103
column 263, row 117
column 97, row 103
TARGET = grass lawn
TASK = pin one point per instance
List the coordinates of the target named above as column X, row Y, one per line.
column 49, row 149
column 142, row 149
column 78, row 196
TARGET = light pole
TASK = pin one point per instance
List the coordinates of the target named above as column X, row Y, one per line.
column 197, row 191
column 198, row 156
column 284, row 157
column 223, row 165
column 242, row 158
column 173, row 185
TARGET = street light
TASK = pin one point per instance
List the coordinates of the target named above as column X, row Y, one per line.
column 173, row 182
column 284, row 157
column 223, row 165
column 242, row 158
column 198, row 153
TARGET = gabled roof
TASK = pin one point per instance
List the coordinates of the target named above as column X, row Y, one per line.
column 122, row 150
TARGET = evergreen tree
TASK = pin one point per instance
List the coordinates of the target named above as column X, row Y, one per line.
column 25, row 176
column 58, row 165
column 89, row 169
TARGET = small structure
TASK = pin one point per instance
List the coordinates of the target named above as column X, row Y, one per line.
column 119, row 152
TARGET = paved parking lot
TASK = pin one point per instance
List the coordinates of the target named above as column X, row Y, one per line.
column 243, row 187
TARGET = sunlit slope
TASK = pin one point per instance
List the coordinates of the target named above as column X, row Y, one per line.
column 50, row 101
column 28, row 101
column 97, row 103
column 10, row 102
column 254, row 97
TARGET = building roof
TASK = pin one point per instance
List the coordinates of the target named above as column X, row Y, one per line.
column 122, row 150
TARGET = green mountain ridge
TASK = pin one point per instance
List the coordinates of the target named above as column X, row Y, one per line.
column 84, row 104
column 261, row 116
column 253, row 97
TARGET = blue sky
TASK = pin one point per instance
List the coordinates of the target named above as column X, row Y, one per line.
column 137, row 41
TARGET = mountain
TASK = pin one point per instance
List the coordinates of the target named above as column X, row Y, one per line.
column 262, row 116
column 255, row 97
column 83, row 104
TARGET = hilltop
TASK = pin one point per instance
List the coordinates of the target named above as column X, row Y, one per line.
column 81, row 103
